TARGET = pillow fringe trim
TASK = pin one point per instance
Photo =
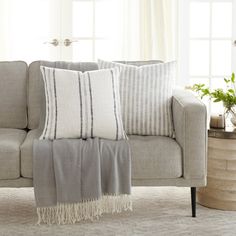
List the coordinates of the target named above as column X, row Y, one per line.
column 70, row 213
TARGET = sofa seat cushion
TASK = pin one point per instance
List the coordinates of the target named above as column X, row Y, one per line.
column 152, row 156
column 10, row 141
column 155, row 157
column 27, row 153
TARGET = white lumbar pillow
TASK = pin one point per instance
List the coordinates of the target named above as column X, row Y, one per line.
column 146, row 94
column 82, row 105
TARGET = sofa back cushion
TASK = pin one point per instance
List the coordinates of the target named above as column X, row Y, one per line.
column 36, row 87
column 13, row 94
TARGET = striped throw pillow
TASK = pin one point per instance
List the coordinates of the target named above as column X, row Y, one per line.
column 82, row 105
column 146, row 94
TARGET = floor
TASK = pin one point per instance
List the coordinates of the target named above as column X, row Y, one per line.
column 157, row 211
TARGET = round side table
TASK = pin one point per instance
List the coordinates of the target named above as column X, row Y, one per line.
column 220, row 192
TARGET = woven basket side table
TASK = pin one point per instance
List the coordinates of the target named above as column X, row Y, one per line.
column 220, row 192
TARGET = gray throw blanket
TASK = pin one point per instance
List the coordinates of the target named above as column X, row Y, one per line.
column 77, row 179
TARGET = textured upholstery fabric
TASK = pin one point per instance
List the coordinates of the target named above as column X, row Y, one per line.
column 82, row 105
column 190, row 126
column 10, row 141
column 152, row 157
column 36, row 89
column 13, row 95
column 27, row 153
column 189, row 116
column 155, row 157
column 16, row 183
column 179, row 182
column 190, row 122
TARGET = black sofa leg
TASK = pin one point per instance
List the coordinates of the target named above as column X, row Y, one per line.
column 193, row 201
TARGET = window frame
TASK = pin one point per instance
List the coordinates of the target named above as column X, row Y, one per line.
column 66, row 29
column 184, row 77
column 184, row 40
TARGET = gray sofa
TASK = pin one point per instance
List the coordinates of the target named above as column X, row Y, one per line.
column 156, row 160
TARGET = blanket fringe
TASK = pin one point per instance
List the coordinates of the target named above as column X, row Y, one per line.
column 66, row 213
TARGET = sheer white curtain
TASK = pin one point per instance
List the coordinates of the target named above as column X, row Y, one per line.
column 24, row 27
column 3, row 29
column 137, row 29
column 149, row 29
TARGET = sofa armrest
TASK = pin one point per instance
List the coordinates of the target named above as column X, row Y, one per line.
column 190, row 124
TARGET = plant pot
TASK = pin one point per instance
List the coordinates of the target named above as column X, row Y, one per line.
column 233, row 120
column 232, row 116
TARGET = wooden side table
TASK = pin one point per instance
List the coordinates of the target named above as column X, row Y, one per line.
column 220, row 192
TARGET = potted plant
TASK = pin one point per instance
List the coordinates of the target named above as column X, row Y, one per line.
column 227, row 96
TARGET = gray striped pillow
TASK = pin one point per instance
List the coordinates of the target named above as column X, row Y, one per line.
column 82, row 105
column 146, row 94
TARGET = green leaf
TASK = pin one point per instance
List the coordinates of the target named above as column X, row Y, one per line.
column 233, row 78
column 231, row 91
column 226, row 80
column 217, row 100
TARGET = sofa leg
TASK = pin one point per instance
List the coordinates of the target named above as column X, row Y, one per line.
column 193, row 201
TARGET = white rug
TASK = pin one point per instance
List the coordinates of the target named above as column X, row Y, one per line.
column 157, row 211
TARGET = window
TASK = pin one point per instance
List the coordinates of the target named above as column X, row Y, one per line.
column 206, row 43
column 28, row 28
column 84, row 30
column 95, row 27
column 23, row 31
